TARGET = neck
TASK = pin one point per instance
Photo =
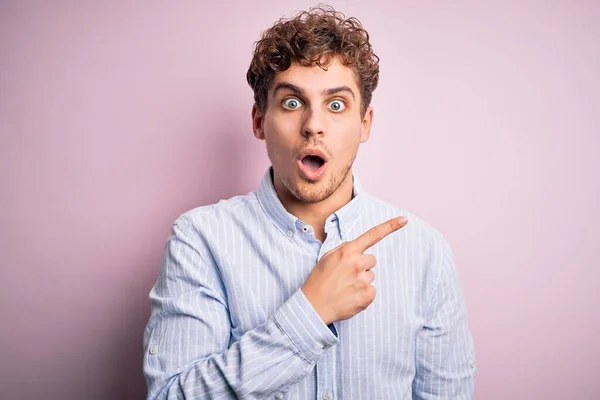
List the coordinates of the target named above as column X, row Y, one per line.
column 315, row 214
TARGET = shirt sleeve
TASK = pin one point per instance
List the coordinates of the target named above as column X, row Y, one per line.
column 187, row 346
column 445, row 354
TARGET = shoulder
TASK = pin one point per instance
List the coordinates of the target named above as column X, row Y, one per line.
column 215, row 216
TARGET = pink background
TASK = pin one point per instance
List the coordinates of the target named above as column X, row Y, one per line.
column 115, row 117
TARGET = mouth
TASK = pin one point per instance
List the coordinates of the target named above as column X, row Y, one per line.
column 312, row 164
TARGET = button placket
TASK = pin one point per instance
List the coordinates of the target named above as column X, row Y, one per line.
column 326, row 375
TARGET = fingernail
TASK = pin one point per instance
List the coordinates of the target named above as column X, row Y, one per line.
column 402, row 220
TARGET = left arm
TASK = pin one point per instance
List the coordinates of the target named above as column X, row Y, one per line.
column 445, row 354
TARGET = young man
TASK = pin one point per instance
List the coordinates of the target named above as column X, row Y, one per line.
column 272, row 294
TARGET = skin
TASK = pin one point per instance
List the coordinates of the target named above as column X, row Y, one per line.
column 317, row 108
column 339, row 286
column 313, row 122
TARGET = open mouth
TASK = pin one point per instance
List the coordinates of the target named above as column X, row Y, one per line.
column 312, row 166
column 313, row 162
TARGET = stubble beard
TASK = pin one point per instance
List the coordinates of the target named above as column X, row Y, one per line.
column 313, row 192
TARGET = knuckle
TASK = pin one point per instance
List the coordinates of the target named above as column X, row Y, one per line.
column 365, row 264
column 371, row 293
column 344, row 252
column 376, row 234
column 361, row 286
column 372, row 261
column 367, row 298
column 364, row 301
column 371, row 276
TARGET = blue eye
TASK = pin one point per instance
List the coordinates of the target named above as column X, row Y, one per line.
column 337, row 105
column 291, row 103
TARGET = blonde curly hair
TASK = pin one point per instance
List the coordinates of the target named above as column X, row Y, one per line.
column 313, row 37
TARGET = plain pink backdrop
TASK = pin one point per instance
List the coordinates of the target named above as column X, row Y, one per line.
column 115, row 117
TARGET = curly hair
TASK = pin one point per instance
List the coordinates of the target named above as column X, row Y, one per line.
column 313, row 37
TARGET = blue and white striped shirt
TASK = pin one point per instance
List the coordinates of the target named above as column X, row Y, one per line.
column 229, row 319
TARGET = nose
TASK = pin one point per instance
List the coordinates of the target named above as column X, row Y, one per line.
column 314, row 123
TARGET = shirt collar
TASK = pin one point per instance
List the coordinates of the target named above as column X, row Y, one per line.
column 344, row 218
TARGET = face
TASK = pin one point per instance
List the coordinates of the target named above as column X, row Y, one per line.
column 312, row 127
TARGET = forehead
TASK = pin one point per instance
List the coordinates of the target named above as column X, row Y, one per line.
column 315, row 79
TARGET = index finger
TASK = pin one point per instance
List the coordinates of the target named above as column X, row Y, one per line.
column 377, row 233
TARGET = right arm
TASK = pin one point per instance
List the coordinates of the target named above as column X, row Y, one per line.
column 186, row 342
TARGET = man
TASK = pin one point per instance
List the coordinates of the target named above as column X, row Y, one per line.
column 272, row 294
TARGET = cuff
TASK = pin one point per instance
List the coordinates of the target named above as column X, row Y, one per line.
column 300, row 322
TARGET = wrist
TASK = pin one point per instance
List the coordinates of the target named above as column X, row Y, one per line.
column 318, row 306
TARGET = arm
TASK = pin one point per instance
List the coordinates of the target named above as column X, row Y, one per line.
column 445, row 352
column 186, row 342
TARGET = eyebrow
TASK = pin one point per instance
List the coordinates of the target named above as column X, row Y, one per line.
column 300, row 91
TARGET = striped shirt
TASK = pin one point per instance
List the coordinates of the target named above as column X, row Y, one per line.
column 229, row 319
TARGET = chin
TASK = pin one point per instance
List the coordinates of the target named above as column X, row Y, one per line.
column 308, row 191
column 312, row 191
column 311, row 194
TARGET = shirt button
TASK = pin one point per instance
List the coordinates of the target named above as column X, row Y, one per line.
column 153, row 349
column 290, row 233
column 326, row 396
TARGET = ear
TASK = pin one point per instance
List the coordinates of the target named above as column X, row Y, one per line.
column 257, row 123
column 366, row 125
